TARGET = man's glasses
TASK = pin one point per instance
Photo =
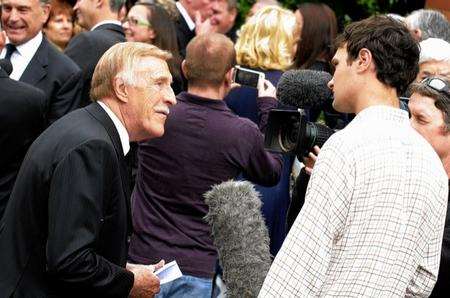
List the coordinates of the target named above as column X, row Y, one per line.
column 134, row 22
column 437, row 84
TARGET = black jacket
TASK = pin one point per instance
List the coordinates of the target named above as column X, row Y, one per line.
column 88, row 47
column 442, row 287
column 21, row 121
column 59, row 78
column 184, row 35
column 66, row 227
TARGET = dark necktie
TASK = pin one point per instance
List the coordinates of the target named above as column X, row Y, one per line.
column 10, row 49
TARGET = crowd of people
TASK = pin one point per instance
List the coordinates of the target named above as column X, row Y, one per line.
column 118, row 116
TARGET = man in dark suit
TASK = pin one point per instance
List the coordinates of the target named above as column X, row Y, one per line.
column 66, row 227
column 104, row 31
column 35, row 61
column 21, row 121
column 194, row 19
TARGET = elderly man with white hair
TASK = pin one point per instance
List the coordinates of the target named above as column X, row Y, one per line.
column 426, row 23
column 434, row 59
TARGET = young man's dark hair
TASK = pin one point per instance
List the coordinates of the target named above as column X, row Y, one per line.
column 394, row 50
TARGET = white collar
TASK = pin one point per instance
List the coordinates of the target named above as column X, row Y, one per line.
column 115, row 22
column 123, row 134
column 185, row 15
column 28, row 49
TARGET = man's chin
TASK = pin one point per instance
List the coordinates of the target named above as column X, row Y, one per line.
column 16, row 39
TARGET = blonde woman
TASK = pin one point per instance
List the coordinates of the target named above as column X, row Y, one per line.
column 267, row 42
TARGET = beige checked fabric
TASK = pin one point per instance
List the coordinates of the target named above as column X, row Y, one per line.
column 373, row 219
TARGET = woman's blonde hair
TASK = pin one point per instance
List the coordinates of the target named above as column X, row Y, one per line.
column 267, row 39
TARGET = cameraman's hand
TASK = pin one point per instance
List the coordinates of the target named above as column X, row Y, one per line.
column 311, row 160
column 146, row 283
column 266, row 89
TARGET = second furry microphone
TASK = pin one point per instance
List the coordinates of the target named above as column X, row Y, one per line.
column 240, row 235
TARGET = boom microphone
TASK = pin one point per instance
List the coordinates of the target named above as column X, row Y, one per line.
column 304, row 88
column 6, row 66
column 240, row 235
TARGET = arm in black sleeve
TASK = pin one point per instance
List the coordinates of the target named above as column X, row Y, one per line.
column 260, row 166
column 265, row 104
column 81, row 187
column 298, row 197
column 67, row 98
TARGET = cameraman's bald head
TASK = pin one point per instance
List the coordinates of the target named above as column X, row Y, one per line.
column 208, row 59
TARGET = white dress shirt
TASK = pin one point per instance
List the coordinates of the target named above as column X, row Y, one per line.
column 23, row 55
column 373, row 217
column 123, row 134
column 184, row 13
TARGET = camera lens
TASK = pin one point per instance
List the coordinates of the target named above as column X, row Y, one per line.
column 288, row 135
column 316, row 134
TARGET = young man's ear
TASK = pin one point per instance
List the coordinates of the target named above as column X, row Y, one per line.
column 365, row 60
column 120, row 89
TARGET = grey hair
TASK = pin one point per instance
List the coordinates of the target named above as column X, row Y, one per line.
column 434, row 49
column 43, row 2
column 432, row 23
column 115, row 5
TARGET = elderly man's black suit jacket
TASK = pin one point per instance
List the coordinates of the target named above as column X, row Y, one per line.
column 88, row 47
column 59, row 78
column 21, row 121
column 184, row 34
column 65, row 230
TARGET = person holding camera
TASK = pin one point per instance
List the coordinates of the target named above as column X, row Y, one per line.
column 267, row 43
column 205, row 144
column 374, row 212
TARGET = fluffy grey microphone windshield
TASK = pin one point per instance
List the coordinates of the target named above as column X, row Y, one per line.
column 304, row 88
column 240, row 235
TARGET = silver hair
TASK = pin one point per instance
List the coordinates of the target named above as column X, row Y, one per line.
column 432, row 23
column 434, row 49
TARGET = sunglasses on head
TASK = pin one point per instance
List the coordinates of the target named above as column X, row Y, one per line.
column 437, row 84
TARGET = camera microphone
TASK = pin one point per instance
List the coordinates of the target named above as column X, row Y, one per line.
column 6, row 66
column 304, row 88
column 288, row 131
column 240, row 235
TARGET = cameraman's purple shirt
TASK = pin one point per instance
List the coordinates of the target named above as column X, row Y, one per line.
column 204, row 144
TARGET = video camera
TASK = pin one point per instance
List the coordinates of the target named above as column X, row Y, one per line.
column 288, row 131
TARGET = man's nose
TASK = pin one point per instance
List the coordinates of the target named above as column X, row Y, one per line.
column 170, row 97
column 13, row 15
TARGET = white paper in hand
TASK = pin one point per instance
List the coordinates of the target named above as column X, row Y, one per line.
column 169, row 272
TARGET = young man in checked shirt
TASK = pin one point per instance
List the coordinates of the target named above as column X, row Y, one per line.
column 373, row 218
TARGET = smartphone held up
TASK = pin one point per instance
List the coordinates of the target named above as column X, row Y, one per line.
column 247, row 77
